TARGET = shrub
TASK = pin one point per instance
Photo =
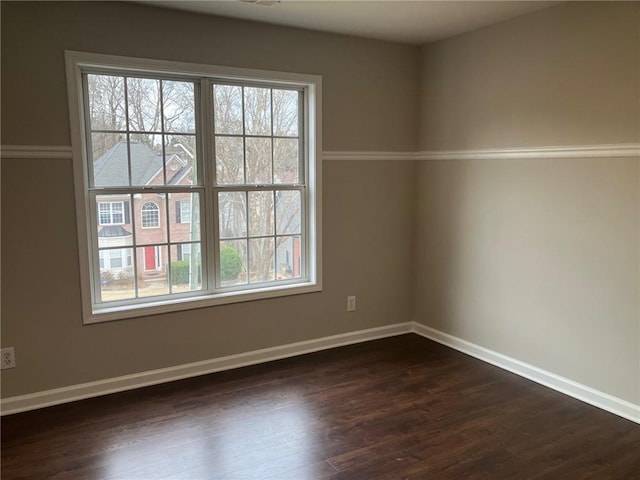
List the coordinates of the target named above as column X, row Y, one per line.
column 118, row 278
column 180, row 272
column 230, row 263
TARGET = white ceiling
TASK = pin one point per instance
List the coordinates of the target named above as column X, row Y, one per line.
column 413, row 22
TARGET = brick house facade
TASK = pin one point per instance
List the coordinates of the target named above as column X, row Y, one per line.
column 159, row 221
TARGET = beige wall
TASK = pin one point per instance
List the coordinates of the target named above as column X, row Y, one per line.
column 369, row 87
column 567, row 75
column 369, row 96
column 536, row 259
column 41, row 293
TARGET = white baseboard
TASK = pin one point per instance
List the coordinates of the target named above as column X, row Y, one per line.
column 576, row 390
column 72, row 393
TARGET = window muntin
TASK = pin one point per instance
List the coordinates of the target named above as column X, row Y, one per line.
column 201, row 176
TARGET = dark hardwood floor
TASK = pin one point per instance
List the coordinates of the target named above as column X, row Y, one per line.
column 402, row 407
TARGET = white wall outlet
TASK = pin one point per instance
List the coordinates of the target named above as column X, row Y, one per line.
column 8, row 358
column 351, row 304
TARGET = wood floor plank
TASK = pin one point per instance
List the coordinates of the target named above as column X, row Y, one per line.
column 398, row 408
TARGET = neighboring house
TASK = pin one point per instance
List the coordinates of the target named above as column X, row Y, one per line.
column 115, row 213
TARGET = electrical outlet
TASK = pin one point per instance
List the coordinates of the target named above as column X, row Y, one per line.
column 8, row 358
column 351, row 304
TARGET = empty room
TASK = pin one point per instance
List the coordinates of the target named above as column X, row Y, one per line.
column 320, row 240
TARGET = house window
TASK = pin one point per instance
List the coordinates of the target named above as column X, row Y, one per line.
column 183, row 252
column 150, row 215
column 111, row 213
column 183, row 211
column 234, row 151
column 115, row 259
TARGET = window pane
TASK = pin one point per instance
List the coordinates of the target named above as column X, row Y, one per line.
column 180, row 159
column 257, row 111
column 184, row 217
column 261, row 260
column 114, row 221
column 186, row 269
column 288, row 211
column 106, row 102
column 146, row 159
column 152, row 270
column 229, row 160
column 143, row 96
column 233, row 262
column 285, row 113
column 150, row 218
column 232, row 214
column 110, row 159
column 285, row 160
column 260, row 213
column 258, row 160
column 227, row 107
column 116, row 282
column 289, row 261
column 178, row 106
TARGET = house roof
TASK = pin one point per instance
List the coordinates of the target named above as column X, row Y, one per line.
column 111, row 169
column 110, row 231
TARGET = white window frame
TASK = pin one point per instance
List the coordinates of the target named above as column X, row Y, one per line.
column 311, row 85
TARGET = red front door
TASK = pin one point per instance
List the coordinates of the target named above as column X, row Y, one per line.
column 150, row 258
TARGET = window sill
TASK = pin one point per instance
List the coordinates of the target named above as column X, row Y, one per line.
column 107, row 314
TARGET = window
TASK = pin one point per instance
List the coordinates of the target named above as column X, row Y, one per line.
column 150, row 215
column 221, row 171
column 115, row 259
column 258, row 188
column 183, row 252
column 111, row 213
column 183, row 211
